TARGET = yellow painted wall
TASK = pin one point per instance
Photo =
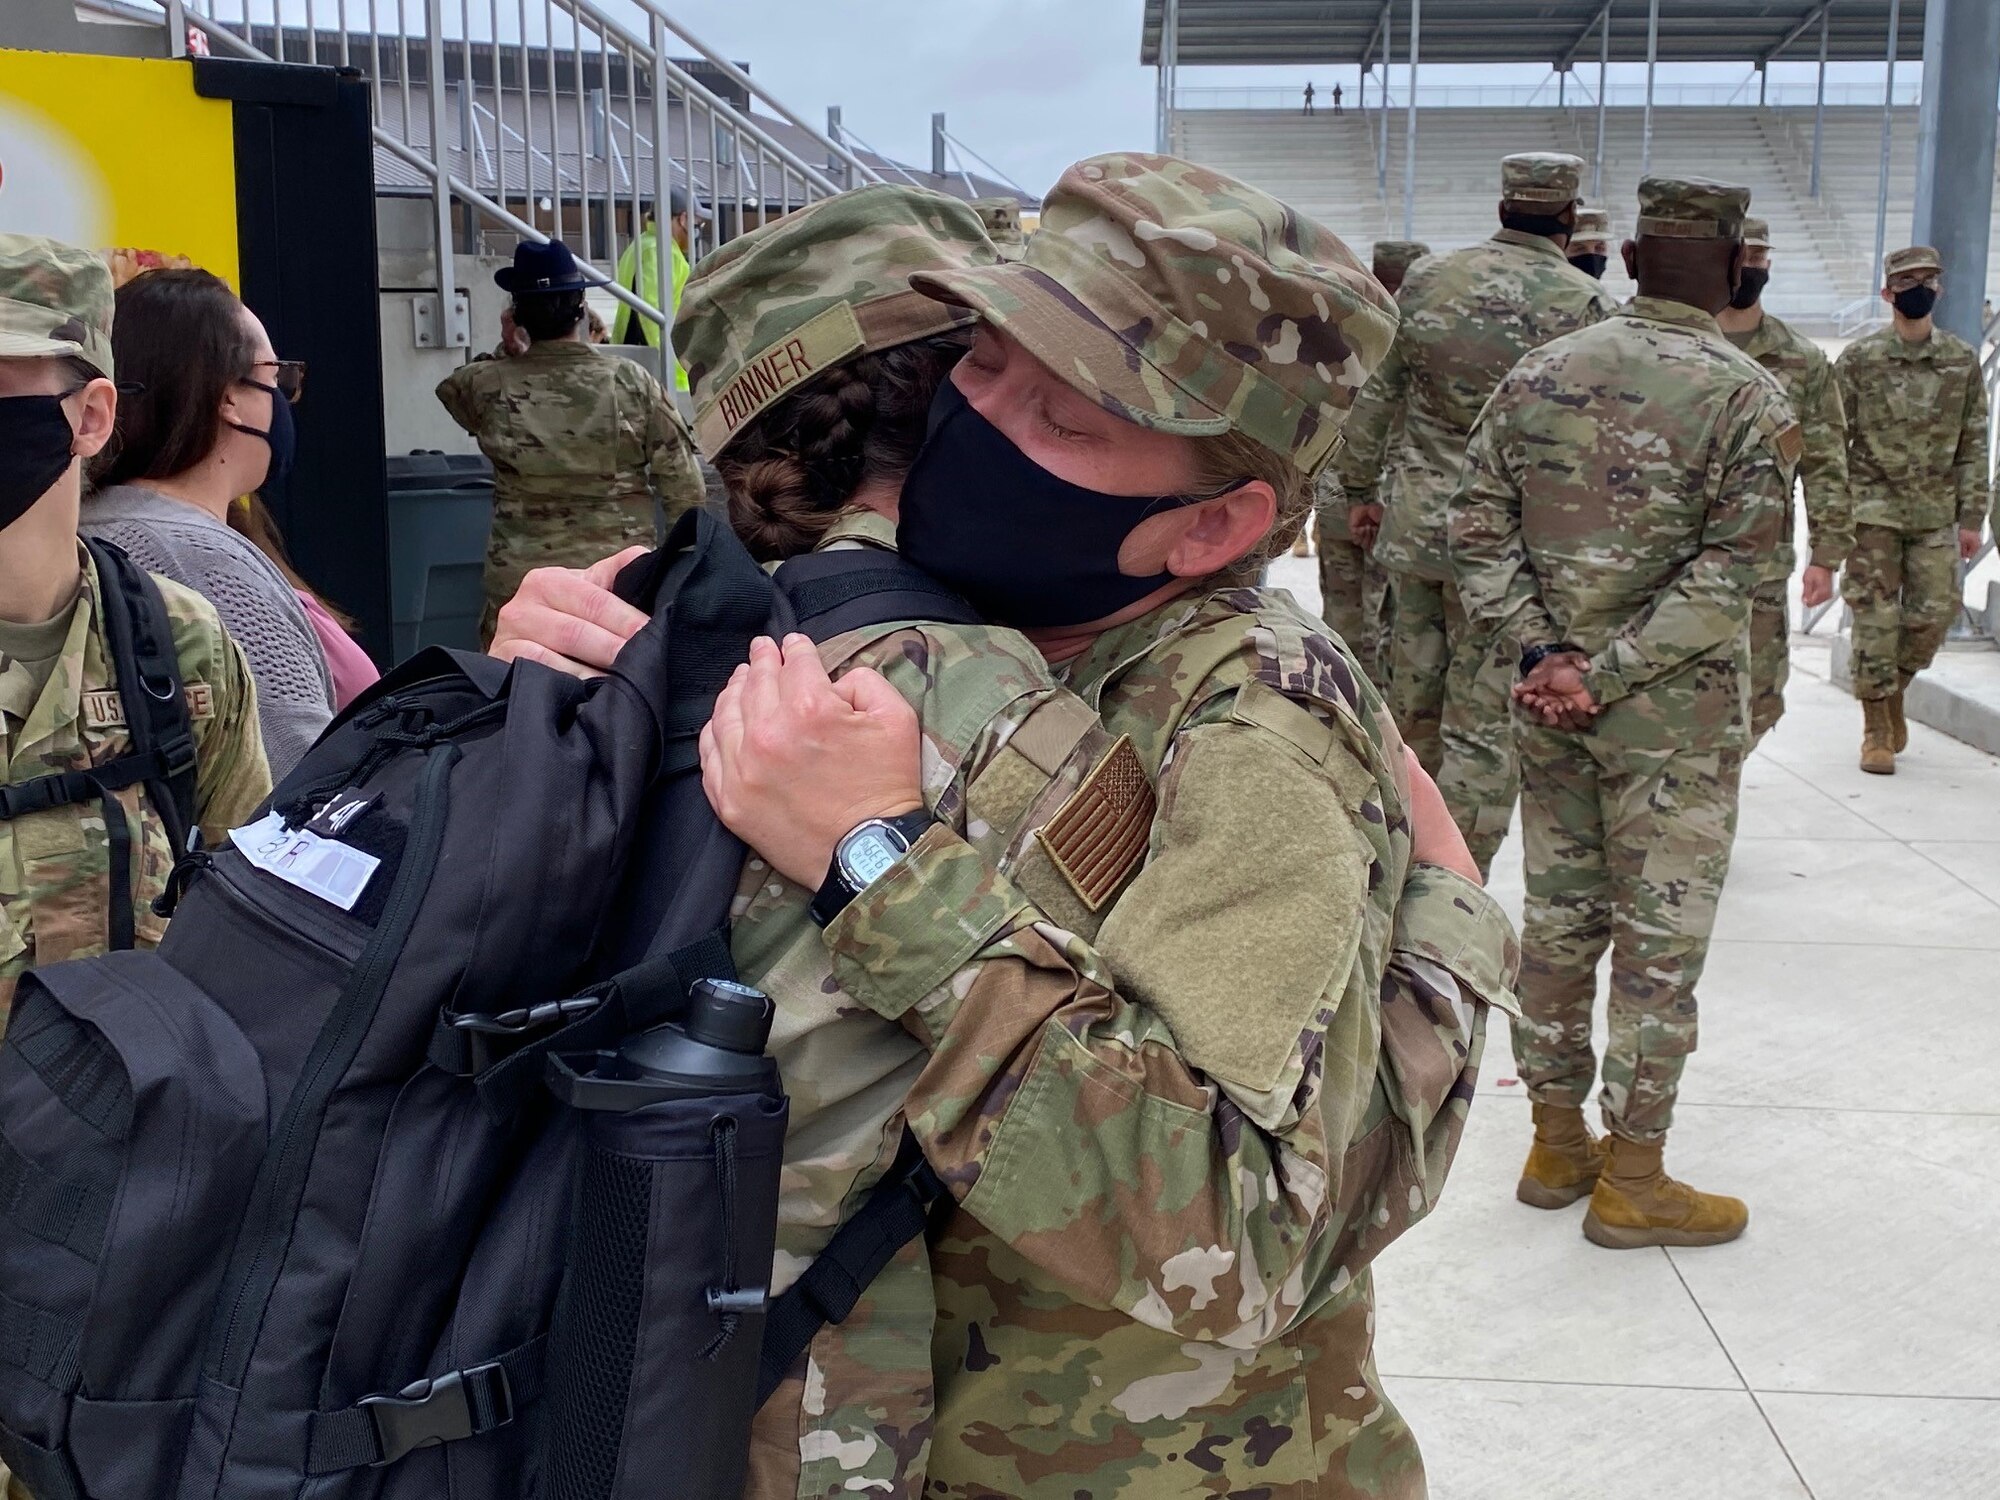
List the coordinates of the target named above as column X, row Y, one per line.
column 117, row 153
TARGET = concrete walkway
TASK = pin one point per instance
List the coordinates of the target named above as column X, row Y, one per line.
column 1848, row 1086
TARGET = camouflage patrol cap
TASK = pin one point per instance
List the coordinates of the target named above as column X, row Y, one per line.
column 1592, row 225
column 776, row 306
column 1002, row 218
column 1911, row 258
column 1756, row 234
column 1541, row 177
column 1181, row 299
column 1398, row 255
column 55, row 302
column 1691, row 208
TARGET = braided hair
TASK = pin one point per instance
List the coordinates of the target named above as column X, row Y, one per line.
column 797, row 465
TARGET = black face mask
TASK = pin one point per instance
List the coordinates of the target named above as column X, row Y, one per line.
column 282, row 438
column 35, row 450
column 1916, row 301
column 1024, row 547
column 1750, row 288
column 1591, row 265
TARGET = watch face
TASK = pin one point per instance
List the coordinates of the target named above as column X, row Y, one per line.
column 867, row 856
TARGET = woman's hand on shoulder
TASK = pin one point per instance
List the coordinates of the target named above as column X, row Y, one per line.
column 568, row 618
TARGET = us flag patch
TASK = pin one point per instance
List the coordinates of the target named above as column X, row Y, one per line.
column 1099, row 837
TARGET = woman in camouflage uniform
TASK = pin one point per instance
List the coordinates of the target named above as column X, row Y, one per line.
column 1161, row 1092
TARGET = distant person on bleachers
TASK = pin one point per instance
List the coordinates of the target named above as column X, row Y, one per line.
column 1807, row 376
column 1590, row 242
column 1309, row 96
column 1916, row 468
column 1336, row 98
column 1467, row 317
column 587, row 448
column 1353, row 585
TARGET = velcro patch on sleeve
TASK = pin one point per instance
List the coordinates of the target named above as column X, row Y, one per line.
column 102, row 709
column 1792, row 443
column 1099, row 837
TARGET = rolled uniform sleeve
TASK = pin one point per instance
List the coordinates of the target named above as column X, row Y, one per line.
column 459, row 395
column 1168, row 1142
column 1823, row 467
column 1708, row 601
column 670, row 458
column 1974, row 484
column 232, row 776
column 1369, row 426
column 1489, row 556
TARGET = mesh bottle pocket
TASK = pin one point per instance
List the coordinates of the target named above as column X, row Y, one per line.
column 653, row 1357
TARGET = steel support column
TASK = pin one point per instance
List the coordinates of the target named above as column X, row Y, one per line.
column 1603, row 86
column 1819, row 100
column 1170, row 47
column 447, row 282
column 1927, row 123
column 1888, row 124
column 1410, row 128
column 1382, row 151
column 1955, row 192
column 1652, row 61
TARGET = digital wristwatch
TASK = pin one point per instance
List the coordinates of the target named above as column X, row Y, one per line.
column 863, row 857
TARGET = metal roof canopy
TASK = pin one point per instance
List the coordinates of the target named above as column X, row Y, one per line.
column 1556, row 32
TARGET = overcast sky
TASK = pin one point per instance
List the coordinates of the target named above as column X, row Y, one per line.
column 1031, row 84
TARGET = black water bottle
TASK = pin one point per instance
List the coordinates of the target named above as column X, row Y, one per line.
column 652, row 1371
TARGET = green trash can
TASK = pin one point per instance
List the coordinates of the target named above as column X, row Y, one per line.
column 440, row 512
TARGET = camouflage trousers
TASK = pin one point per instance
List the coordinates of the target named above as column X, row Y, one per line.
column 1042, row 1396
column 1451, row 691
column 1903, row 589
column 1421, row 613
column 1626, row 850
column 1770, row 655
column 537, row 532
column 1354, row 601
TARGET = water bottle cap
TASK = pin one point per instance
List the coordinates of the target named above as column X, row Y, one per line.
column 731, row 1016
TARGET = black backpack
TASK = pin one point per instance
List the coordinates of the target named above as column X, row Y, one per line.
column 283, row 1205
column 161, row 757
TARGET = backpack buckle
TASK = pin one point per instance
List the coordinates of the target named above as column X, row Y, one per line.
column 443, row 1409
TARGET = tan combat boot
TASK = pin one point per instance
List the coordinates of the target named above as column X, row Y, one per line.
column 1637, row 1204
column 1899, row 727
column 1878, row 738
column 1564, row 1161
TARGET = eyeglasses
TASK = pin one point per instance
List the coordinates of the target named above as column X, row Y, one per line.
column 290, row 378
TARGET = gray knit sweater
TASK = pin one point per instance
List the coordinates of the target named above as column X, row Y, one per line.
column 257, row 605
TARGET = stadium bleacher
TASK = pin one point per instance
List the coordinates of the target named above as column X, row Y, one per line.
column 1326, row 165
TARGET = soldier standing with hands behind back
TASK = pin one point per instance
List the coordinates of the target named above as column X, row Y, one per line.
column 1624, row 492
column 1916, row 463
column 1807, row 377
column 1467, row 317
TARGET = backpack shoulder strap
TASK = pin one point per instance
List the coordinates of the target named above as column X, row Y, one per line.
column 852, row 588
column 140, row 638
column 898, row 1211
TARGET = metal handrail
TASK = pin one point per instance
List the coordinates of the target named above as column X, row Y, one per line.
column 591, row 65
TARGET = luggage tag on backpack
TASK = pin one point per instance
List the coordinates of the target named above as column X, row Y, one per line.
column 320, row 866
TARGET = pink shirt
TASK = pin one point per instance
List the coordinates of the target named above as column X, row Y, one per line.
column 347, row 663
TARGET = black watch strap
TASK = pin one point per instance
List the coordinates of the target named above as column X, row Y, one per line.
column 1534, row 655
column 836, row 891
